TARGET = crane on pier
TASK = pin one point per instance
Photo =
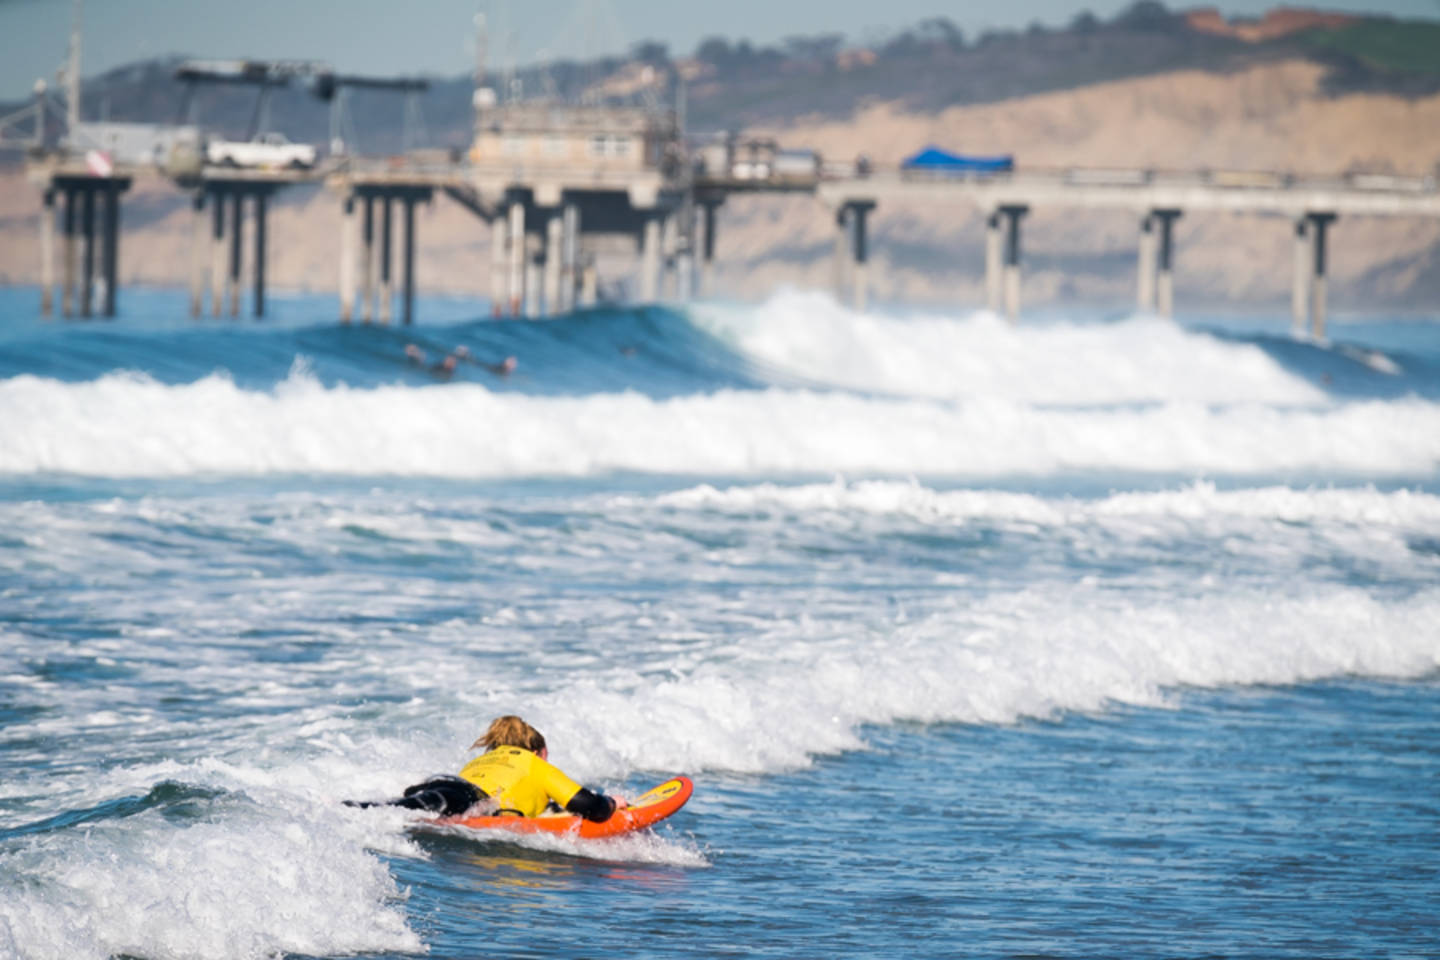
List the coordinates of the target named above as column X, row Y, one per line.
column 325, row 82
column 334, row 89
column 264, row 74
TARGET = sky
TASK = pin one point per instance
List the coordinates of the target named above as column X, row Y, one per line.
column 437, row 37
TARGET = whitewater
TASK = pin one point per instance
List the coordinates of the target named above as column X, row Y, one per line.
column 1085, row 636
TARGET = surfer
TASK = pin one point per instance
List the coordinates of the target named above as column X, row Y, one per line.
column 516, row 771
column 503, row 368
column 514, row 776
column 445, row 369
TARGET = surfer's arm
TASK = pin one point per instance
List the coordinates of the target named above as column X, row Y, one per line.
column 581, row 801
column 592, row 806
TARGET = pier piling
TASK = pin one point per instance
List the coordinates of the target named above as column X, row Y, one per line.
column 110, row 265
column 710, row 205
column 589, row 285
column 68, row 279
column 1012, row 214
column 499, row 295
column 47, row 254
column 534, row 280
column 685, row 275
column 87, row 268
column 1165, row 278
column 237, row 240
column 347, row 259
column 554, row 241
column 570, row 256
column 670, row 258
column 685, row 252
column 517, row 238
column 1320, row 226
column 367, row 262
column 1300, row 283
column 217, row 253
column 650, row 259
column 842, row 252
column 387, row 291
column 261, row 197
column 1145, row 267
column 409, row 260
column 860, row 212
column 199, row 248
column 994, row 263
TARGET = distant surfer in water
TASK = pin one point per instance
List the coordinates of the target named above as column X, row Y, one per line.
column 442, row 369
column 445, row 369
column 502, row 369
column 512, row 777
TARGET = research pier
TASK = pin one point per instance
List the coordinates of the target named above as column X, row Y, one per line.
column 557, row 184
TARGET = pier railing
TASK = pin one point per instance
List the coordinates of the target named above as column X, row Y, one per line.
column 1242, row 191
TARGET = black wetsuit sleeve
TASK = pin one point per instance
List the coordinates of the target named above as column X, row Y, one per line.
column 447, row 796
column 591, row 805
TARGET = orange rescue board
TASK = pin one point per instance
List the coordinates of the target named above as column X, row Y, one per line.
column 645, row 810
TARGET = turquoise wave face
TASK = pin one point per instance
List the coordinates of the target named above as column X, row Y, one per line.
column 794, row 340
column 654, row 351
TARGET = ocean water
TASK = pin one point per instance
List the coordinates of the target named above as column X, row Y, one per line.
column 1091, row 636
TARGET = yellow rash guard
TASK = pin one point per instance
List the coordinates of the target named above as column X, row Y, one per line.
column 519, row 780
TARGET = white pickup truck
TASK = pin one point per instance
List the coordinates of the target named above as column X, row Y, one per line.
column 266, row 150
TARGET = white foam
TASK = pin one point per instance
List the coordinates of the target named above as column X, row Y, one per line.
column 800, row 683
column 1198, row 500
column 791, row 687
column 1033, row 653
column 1286, row 541
column 245, row 886
column 128, row 426
column 980, row 355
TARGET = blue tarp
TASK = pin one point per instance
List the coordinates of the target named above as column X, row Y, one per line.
column 933, row 158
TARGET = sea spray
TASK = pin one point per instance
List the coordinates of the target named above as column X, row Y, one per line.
column 977, row 354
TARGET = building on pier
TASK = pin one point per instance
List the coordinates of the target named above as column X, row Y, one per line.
column 601, row 140
column 553, row 174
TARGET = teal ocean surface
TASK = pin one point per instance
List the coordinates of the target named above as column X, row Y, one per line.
column 1087, row 637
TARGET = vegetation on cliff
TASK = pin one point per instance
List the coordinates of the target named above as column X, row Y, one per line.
column 925, row 68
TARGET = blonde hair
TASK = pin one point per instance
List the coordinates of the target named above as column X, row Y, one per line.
column 510, row 731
